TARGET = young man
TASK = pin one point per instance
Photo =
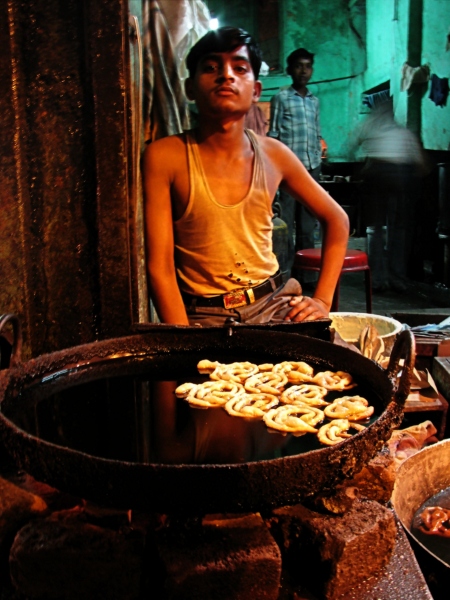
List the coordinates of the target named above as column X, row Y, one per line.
column 294, row 120
column 208, row 197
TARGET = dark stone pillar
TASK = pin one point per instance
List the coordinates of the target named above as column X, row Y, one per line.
column 64, row 123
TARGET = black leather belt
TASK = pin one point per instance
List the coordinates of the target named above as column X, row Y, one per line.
column 236, row 298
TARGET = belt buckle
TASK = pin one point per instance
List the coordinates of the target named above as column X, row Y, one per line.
column 238, row 298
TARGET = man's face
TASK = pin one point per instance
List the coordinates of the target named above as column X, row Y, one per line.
column 301, row 72
column 224, row 82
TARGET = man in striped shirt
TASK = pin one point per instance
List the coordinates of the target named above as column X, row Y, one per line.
column 294, row 120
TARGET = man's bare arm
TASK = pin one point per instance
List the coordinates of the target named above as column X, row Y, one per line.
column 333, row 219
column 158, row 178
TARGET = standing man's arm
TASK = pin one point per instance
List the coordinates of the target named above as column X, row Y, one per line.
column 318, row 129
column 276, row 114
column 158, row 179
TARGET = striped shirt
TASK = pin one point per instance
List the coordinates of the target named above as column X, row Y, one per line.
column 294, row 120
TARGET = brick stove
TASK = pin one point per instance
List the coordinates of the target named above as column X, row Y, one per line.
column 56, row 546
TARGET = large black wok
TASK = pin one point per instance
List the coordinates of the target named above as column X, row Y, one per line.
column 173, row 352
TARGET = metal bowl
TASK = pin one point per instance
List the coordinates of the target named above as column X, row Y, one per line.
column 419, row 478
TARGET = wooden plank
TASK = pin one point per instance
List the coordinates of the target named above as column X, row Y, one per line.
column 433, row 406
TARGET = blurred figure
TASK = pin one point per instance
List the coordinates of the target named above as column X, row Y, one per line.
column 394, row 166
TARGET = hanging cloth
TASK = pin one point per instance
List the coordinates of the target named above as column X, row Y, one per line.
column 439, row 90
column 165, row 106
column 412, row 75
column 374, row 100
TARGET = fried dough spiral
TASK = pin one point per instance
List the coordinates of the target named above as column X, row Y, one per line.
column 210, row 393
column 237, row 371
column 206, row 366
column 336, row 431
column 435, row 521
column 265, row 367
column 353, row 408
column 334, row 380
column 290, row 367
column 331, row 380
column 293, row 419
column 306, row 393
column 183, row 390
column 266, row 382
column 251, row 406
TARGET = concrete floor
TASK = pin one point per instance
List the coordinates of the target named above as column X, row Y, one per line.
column 419, row 297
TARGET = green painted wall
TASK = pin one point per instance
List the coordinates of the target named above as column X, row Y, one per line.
column 325, row 28
column 359, row 46
column 415, row 32
column 381, row 33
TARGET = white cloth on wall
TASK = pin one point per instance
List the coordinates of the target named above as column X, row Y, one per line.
column 188, row 21
column 412, row 75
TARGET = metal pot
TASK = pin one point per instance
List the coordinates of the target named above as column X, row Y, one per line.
column 418, row 479
column 253, row 485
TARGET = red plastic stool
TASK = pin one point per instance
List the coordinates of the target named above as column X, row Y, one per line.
column 355, row 260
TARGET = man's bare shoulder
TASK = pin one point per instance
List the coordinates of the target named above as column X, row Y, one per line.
column 273, row 148
column 165, row 173
column 165, row 157
column 278, row 160
column 171, row 146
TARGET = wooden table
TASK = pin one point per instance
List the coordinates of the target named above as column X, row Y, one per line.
column 431, row 405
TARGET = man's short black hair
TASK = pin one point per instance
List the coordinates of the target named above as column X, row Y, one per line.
column 294, row 56
column 224, row 39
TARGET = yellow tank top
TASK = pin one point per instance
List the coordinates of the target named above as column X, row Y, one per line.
column 221, row 248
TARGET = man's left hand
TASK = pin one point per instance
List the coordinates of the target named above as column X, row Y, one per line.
column 306, row 309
